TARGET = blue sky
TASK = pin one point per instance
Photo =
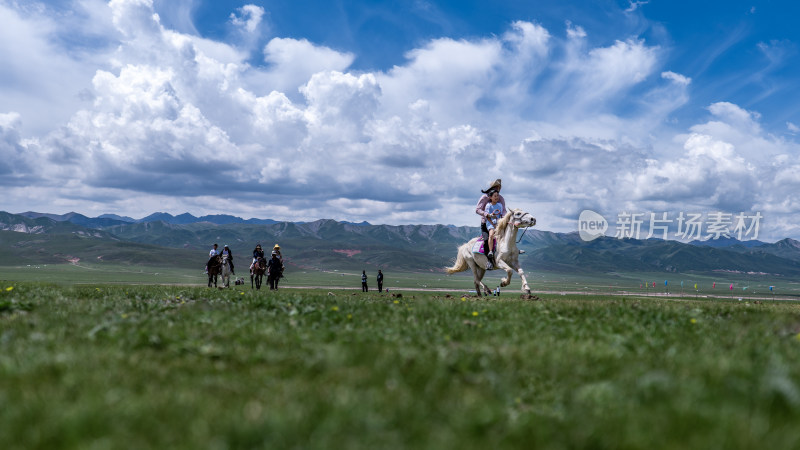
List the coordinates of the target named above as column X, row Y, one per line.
column 400, row 111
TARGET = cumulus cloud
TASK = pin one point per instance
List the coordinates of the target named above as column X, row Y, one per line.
column 179, row 122
column 293, row 62
column 13, row 168
column 248, row 17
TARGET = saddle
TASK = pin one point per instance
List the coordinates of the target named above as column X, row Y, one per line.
column 478, row 247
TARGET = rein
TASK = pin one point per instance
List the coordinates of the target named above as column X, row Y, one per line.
column 523, row 235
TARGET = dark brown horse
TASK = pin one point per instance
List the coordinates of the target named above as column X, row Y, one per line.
column 257, row 272
column 214, row 269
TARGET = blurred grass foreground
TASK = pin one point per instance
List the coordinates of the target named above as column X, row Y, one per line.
column 101, row 366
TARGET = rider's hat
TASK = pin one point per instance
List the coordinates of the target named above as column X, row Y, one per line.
column 227, row 246
column 277, row 246
column 496, row 184
column 258, row 245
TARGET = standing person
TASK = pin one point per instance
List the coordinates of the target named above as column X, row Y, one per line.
column 480, row 210
column 277, row 250
column 364, row 287
column 380, row 281
column 494, row 211
column 211, row 255
column 227, row 251
column 274, row 269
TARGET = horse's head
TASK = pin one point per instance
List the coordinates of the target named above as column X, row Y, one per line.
column 521, row 219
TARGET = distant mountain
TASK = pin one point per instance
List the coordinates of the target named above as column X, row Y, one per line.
column 42, row 224
column 116, row 217
column 724, row 242
column 43, row 240
column 168, row 218
column 328, row 244
column 429, row 247
column 77, row 219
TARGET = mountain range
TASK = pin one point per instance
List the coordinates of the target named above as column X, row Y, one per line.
column 184, row 240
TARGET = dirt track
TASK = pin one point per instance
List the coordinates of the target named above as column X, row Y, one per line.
column 584, row 293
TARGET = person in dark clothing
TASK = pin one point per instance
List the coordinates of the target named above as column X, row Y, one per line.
column 380, row 281
column 364, row 287
column 211, row 255
column 257, row 253
column 227, row 250
column 274, row 269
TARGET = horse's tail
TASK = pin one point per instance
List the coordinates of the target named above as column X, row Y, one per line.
column 461, row 263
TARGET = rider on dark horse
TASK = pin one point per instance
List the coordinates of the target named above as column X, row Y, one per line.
column 257, row 253
column 211, row 255
column 274, row 271
column 480, row 210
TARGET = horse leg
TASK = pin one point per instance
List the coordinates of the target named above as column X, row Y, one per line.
column 504, row 266
column 525, row 287
column 477, row 274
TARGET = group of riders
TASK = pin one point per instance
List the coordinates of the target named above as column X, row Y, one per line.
column 491, row 207
column 273, row 267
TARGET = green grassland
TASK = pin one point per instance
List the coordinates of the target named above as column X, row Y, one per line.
column 170, row 366
column 757, row 286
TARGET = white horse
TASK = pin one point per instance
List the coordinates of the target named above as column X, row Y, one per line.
column 225, row 271
column 506, row 254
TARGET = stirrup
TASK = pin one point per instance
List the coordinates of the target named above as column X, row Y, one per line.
column 489, row 265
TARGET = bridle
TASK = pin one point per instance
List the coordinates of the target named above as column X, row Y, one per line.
column 523, row 232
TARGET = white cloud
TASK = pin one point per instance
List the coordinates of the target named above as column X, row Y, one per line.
column 792, row 128
column 676, row 78
column 42, row 81
column 12, row 165
column 183, row 122
column 248, row 18
column 293, row 62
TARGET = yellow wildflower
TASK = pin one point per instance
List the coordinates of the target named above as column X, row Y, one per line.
column 10, row 288
column 474, row 313
column 335, row 308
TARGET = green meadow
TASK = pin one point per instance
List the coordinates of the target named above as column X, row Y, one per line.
column 614, row 283
column 177, row 366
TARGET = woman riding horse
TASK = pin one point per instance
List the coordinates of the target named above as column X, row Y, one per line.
column 507, row 252
column 480, row 210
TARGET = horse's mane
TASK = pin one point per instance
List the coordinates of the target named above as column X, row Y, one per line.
column 503, row 223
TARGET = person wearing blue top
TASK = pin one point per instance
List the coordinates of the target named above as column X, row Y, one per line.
column 494, row 211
